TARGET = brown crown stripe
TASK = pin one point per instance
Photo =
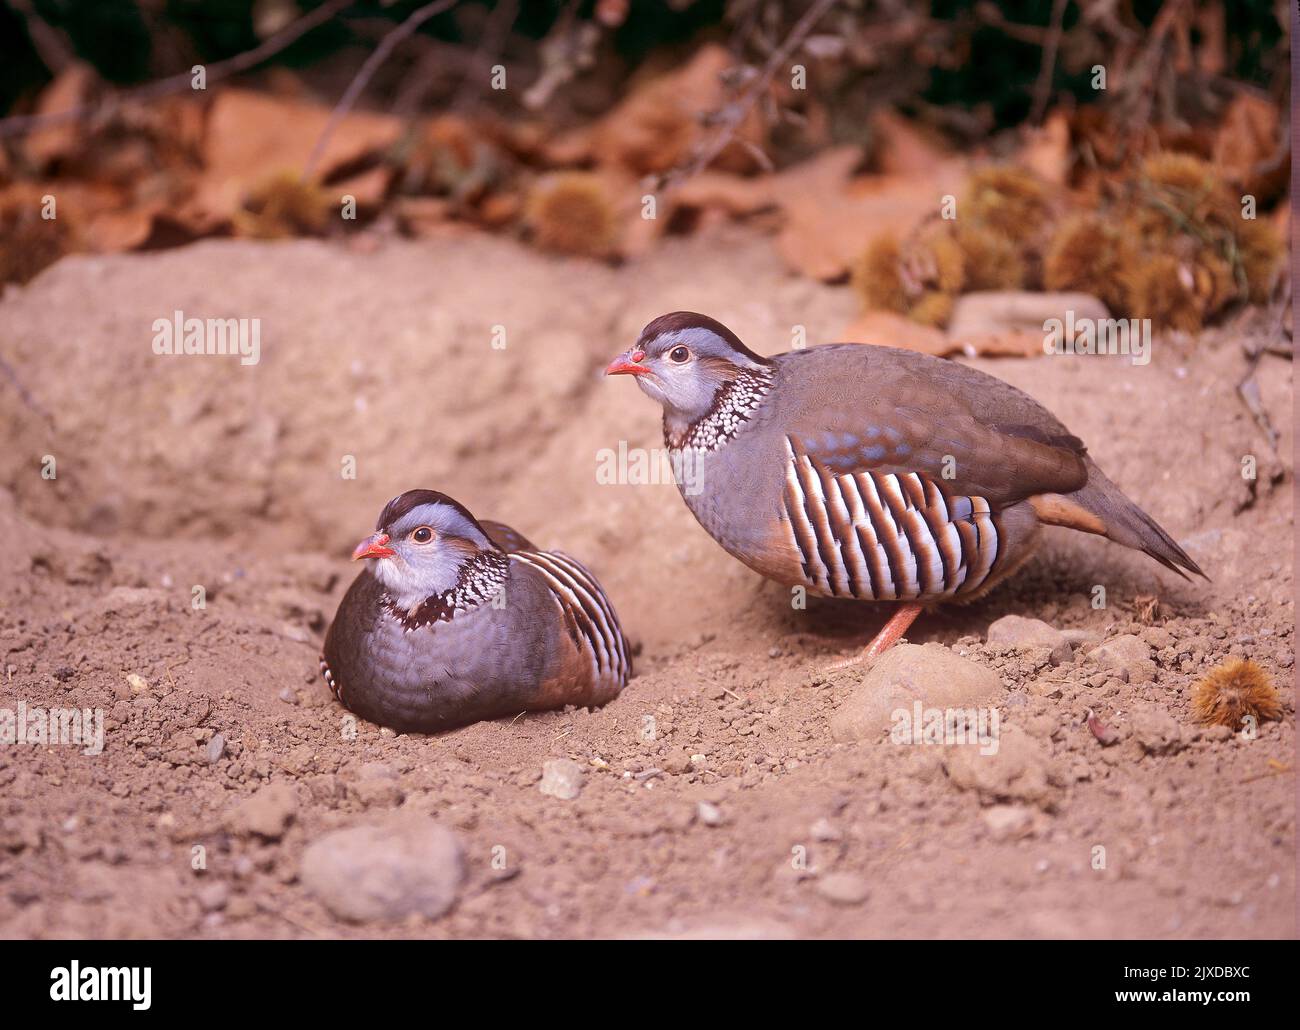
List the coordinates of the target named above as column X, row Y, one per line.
column 676, row 321
column 404, row 504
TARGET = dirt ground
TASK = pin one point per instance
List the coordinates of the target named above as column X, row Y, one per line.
column 174, row 472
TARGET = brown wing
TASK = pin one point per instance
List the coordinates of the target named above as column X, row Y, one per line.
column 589, row 619
column 505, row 538
column 874, row 409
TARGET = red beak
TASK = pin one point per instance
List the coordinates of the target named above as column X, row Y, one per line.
column 373, row 547
column 628, row 364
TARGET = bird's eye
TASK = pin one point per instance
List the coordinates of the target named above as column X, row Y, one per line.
column 422, row 535
column 679, row 355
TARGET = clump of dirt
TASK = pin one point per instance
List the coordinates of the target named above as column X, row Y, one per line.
column 712, row 798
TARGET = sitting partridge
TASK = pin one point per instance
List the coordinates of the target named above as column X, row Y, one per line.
column 455, row 620
column 871, row 472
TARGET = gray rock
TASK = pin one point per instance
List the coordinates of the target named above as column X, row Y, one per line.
column 1018, row 771
column 709, row 814
column 906, row 673
column 409, row 865
column 1008, row 822
column 843, row 888
column 213, row 896
column 1156, row 731
column 267, row 813
column 1081, row 636
column 377, row 785
column 823, row 830
column 378, row 793
column 1129, row 654
column 1018, row 631
column 561, row 778
column 216, row 748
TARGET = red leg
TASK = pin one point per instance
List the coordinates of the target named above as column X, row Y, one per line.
column 892, row 630
column 888, row 636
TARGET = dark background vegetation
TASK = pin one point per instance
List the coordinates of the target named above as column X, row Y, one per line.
column 984, row 54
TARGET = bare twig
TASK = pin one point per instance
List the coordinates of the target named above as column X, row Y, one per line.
column 1043, row 87
column 437, row 61
column 989, row 14
column 500, row 22
column 372, row 64
column 17, row 125
column 54, row 51
column 730, row 119
column 1141, row 88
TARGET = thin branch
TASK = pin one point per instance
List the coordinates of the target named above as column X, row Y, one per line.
column 1043, row 87
column 500, row 22
column 51, row 47
column 367, row 71
column 17, row 125
column 435, row 62
column 732, row 117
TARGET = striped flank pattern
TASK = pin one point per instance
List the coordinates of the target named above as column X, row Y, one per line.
column 335, row 688
column 885, row 537
column 580, row 596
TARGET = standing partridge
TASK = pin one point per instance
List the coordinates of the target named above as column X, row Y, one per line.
column 871, row 472
column 455, row 620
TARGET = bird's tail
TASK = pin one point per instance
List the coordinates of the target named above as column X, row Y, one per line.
column 1124, row 522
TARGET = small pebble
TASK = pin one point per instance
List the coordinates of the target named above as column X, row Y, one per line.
column 213, row 896
column 709, row 814
column 843, row 888
column 561, row 778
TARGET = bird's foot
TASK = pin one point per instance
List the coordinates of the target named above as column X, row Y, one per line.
column 847, row 663
column 888, row 636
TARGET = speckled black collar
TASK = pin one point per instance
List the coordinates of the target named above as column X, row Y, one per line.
column 481, row 578
column 733, row 406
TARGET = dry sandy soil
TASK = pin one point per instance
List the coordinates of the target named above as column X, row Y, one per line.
column 176, row 472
